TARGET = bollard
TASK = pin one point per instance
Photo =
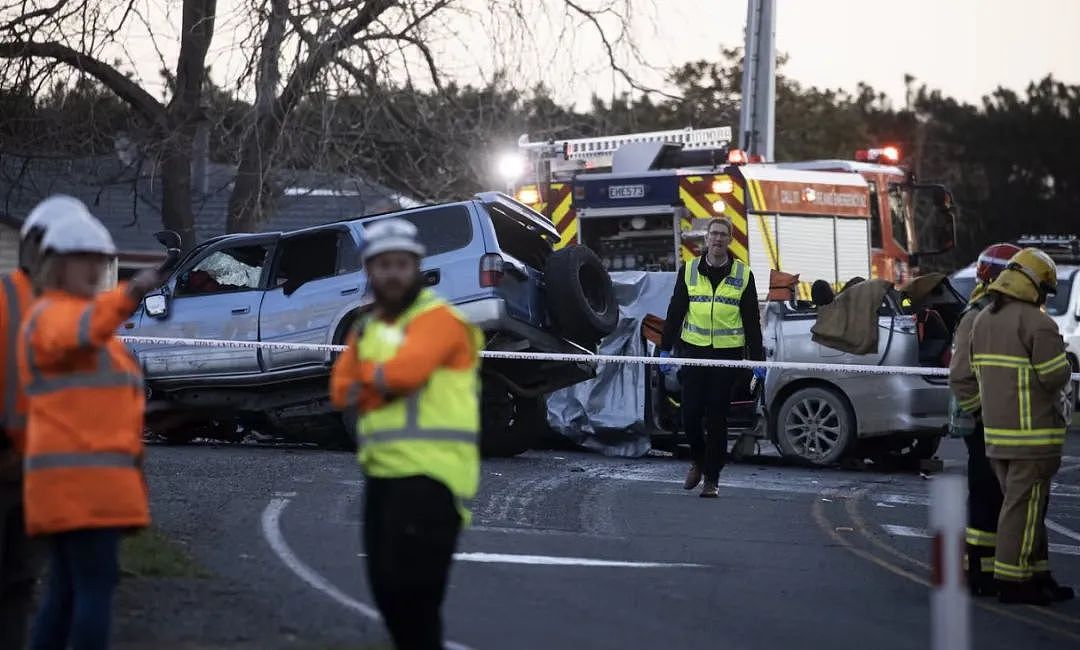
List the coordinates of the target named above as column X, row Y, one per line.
column 950, row 602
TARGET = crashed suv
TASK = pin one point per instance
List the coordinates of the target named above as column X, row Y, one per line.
column 492, row 257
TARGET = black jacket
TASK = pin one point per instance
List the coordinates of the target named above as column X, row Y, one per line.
column 748, row 308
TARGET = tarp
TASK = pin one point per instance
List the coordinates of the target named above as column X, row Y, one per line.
column 850, row 322
column 606, row 414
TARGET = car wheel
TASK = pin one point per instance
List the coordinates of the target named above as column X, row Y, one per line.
column 500, row 435
column 814, row 425
column 580, row 297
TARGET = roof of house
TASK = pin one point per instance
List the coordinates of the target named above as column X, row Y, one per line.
column 127, row 199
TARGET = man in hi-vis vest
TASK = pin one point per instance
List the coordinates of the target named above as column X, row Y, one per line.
column 411, row 374
column 713, row 314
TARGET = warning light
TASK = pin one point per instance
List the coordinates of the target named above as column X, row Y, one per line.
column 718, row 207
column 737, row 157
column 723, row 186
column 529, row 196
column 888, row 154
column 809, row 195
column 891, row 154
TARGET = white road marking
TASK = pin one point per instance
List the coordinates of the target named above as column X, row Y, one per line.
column 271, row 528
column 911, row 531
column 552, row 560
column 1058, row 528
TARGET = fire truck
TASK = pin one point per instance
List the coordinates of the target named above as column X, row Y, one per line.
column 642, row 201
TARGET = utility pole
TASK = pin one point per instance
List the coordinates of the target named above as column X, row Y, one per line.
column 757, row 123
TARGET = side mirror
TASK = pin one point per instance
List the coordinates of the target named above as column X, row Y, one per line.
column 156, row 305
column 168, row 238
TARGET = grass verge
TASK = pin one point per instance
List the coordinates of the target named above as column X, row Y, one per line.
column 151, row 554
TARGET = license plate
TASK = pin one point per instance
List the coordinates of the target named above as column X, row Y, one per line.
column 626, row 191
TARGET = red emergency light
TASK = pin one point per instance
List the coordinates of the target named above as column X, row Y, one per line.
column 889, row 154
column 737, row 157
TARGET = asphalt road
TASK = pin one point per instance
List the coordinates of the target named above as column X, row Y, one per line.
column 579, row 551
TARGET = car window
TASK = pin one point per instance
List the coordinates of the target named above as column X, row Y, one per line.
column 897, row 216
column 307, row 257
column 517, row 239
column 230, row 269
column 440, row 230
column 875, row 216
column 963, row 284
column 1058, row 304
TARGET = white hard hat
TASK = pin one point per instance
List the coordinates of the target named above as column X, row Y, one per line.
column 52, row 209
column 390, row 235
column 78, row 233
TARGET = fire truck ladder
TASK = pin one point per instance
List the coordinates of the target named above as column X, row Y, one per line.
column 591, row 149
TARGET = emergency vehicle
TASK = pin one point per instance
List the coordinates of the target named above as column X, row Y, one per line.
column 641, row 202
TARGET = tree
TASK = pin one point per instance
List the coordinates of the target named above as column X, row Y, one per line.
column 292, row 48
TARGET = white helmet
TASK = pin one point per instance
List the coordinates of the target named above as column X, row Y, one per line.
column 390, row 235
column 51, row 210
column 78, row 233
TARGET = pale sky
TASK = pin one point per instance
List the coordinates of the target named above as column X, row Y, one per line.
column 964, row 47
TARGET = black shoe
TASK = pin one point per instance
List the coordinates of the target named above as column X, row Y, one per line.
column 984, row 585
column 1058, row 593
column 1022, row 593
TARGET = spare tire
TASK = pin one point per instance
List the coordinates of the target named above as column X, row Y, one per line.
column 580, row 298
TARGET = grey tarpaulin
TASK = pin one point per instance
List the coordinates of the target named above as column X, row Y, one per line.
column 606, row 414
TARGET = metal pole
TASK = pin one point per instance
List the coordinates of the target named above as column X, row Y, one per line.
column 950, row 602
column 757, row 119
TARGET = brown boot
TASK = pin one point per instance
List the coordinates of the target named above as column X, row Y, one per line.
column 709, row 491
column 693, row 477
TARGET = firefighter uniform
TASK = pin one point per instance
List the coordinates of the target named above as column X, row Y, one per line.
column 1018, row 359
column 984, row 492
column 414, row 379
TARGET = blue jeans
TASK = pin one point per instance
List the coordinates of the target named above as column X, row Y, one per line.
column 83, row 572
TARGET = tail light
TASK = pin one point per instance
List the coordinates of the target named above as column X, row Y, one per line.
column 491, row 270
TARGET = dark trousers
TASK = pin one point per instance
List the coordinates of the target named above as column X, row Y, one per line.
column 20, row 563
column 411, row 526
column 83, row 572
column 706, row 397
column 983, row 505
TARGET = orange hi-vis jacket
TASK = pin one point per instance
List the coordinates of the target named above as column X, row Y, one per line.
column 16, row 294
column 86, row 404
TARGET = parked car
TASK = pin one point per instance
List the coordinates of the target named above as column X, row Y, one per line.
column 491, row 256
column 822, row 417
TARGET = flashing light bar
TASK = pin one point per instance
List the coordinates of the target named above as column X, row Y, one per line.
column 888, row 154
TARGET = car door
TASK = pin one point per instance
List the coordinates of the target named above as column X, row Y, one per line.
column 316, row 278
column 216, row 294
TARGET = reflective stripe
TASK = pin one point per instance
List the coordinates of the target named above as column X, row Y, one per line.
column 689, row 327
column 1027, row 542
column 694, row 270
column 1000, row 361
column 977, row 537
column 380, row 380
column 11, row 377
column 986, row 564
column 80, row 459
column 1042, row 566
column 1006, row 438
column 971, row 404
column 701, row 299
column 1052, row 364
column 1023, row 384
column 83, row 338
column 104, row 376
column 1011, row 572
column 727, row 301
column 421, row 434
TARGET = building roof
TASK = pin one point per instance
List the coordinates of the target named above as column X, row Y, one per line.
column 127, row 198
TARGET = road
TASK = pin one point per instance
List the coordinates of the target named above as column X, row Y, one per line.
column 571, row 550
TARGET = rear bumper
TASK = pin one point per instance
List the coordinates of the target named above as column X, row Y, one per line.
column 524, row 378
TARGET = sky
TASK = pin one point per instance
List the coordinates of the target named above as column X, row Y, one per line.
column 965, row 48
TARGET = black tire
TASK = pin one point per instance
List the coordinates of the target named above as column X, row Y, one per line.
column 502, row 433
column 825, row 421
column 580, row 297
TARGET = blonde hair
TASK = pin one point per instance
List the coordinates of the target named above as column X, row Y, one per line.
column 724, row 221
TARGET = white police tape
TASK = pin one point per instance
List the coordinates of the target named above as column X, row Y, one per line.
column 570, row 358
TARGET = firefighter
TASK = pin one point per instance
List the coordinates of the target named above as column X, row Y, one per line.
column 83, row 479
column 1018, row 359
column 713, row 314
column 410, row 371
column 984, row 491
column 19, row 556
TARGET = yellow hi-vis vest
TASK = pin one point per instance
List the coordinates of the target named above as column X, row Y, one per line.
column 713, row 319
column 433, row 432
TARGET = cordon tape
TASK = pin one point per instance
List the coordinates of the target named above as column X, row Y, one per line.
column 570, row 358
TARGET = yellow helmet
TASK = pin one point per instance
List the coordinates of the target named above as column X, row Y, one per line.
column 1029, row 276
